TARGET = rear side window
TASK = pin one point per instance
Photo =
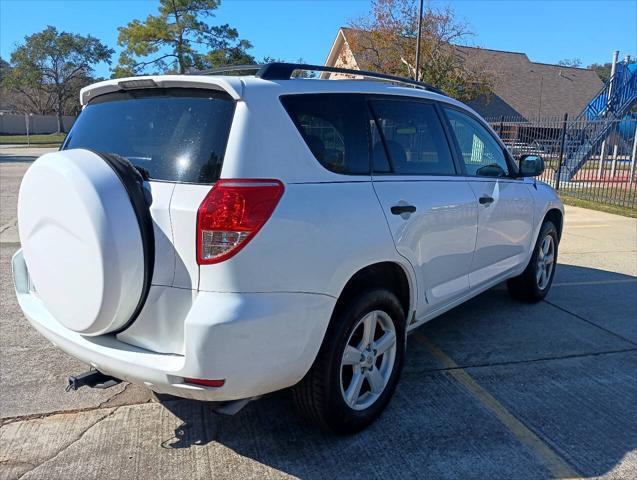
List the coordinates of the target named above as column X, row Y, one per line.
column 408, row 139
column 334, row 129
column 175, row 134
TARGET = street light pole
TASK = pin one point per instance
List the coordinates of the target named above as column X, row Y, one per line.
column 418, row 39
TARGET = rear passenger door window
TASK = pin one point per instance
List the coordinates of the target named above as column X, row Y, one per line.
column 481, row 154
column 408, row 139
column 334, row 127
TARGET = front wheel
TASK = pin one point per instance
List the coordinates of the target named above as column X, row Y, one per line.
column 356, row 371
column 536, row 280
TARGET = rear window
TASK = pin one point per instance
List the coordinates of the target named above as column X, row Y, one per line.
column 334, row 128
column 175, row 134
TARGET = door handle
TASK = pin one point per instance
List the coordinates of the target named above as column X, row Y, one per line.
column 400, row 209
column 485, row 200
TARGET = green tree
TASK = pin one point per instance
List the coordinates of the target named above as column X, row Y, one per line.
column 4, row 68
column 387, row 44
column 570, row 62
column 51, row 66
column 233, row 55
column 173, row 41
column 603, row 69
column 19, row 96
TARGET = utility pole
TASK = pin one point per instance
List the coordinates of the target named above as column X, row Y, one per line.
column 418, row 40
column 539, row 107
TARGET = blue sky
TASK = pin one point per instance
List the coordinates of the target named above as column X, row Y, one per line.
column 546, row 31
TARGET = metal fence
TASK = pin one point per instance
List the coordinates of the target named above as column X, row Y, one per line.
column 589, row 160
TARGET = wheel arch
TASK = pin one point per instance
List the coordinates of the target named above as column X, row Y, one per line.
column 388, row 274
column 556, row 216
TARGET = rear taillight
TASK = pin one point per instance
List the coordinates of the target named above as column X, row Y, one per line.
column 231, row 214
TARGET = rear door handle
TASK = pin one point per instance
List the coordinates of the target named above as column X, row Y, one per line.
column 486, row 200
column 400, row 209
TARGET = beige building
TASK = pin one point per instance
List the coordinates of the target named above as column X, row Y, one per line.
column 522, row 88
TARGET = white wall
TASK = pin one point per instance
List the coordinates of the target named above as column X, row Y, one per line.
column 15, row 124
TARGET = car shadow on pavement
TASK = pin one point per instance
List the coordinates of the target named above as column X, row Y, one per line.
column 563, row 367
column 17, row 158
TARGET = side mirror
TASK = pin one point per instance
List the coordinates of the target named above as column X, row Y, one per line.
column 531, row 165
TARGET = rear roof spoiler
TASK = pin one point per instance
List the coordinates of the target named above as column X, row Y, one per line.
column 230, row 85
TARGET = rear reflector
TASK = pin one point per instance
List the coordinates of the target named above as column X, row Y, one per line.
column 231, row 215
column 205, row 383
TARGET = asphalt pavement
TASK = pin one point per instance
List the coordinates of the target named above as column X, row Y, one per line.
column 492, row 389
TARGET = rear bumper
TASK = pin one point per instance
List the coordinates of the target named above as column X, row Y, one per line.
column 257, row 342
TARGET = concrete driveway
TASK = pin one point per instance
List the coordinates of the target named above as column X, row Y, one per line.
column 493, row 389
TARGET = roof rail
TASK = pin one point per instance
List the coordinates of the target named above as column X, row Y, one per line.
column 284, row 71
column 227, row 69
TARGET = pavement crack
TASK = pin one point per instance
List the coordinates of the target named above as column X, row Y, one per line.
column 7, row 226
column 105, row 403
column 518, row 362
column 562, row 309
column 35, row 416
column 69, row 445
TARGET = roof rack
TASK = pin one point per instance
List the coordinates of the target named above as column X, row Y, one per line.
column 284, row 71
column 227, row 69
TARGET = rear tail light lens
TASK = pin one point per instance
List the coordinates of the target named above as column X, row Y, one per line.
column 231, row 215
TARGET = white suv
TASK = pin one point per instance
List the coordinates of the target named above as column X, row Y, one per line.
column 222, row 237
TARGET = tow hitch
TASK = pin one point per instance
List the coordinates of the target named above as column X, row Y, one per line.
column 93, row 379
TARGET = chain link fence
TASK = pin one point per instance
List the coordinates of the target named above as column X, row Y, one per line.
column 589, row 160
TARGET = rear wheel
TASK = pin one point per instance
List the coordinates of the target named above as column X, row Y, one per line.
column 358, row 366
column 536, row 280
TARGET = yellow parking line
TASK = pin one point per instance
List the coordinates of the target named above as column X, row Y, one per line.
column 595, row 282
column 558, row 467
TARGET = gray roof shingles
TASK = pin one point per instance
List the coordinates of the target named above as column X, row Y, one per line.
column 521, row 87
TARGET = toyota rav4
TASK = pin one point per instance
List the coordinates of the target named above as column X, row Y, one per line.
column 222, row 237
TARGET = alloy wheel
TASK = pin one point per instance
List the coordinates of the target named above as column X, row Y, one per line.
column 368, row 360
column 545, row 262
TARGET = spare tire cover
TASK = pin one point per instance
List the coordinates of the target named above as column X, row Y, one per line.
column 81, row 241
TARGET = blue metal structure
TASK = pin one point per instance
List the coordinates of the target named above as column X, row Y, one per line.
column 591, row 127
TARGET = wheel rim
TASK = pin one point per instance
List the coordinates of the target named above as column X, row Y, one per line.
column 545, row 262
column 368, row 360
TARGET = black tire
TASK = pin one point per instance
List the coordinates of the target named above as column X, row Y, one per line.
column 318, row 397
column 525, row 286
column 133, row 182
